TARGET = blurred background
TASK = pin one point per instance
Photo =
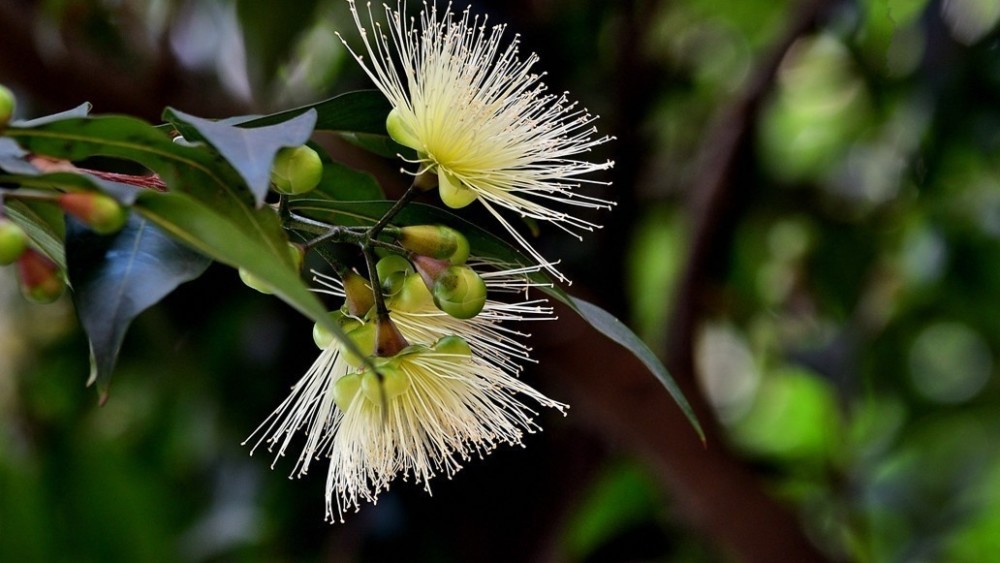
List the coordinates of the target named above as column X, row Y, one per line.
column 807, row 231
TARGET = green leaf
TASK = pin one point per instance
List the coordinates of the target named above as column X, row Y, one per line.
column 609, row 326
column 382, row 145
column 485, row 245
column 116, row 277
column 347, row 184
column 203, row 229
column 250, row 151
column 362, row 111
column 196, row 171
column 269, row 33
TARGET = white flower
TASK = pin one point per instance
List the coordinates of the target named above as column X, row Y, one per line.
column 442, row 404
column 480, row 119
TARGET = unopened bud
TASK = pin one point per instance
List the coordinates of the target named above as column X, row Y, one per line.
column 400, row 131
column 296, row 170
column 345, row 389
column 389, row 340
column 453, row 345
column 392, row 270
column 323, row 337
column 359, row 297
column 436, row 241
column 460, row 292
column 413, row 296
column 363, row 338
column 453, row 193
column 390, row 382
column 7, row 104
column 13, row 241
column 39, row 277
column 101, row 213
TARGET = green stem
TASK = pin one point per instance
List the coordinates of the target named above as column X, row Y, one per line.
column 408, row 196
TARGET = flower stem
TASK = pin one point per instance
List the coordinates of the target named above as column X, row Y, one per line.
column 402, row 202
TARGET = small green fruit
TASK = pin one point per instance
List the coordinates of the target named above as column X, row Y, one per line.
column 363, row 338
column 323, row 337
column 99, row 212
column 13, row 241
column 460, row 292
column 345, row 389
column 296, row 170
column 39, row 277
column 7, row 104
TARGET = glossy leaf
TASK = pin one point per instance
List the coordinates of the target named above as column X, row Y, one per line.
column 608, row 325
column 191, row 170
column 43, row 223
column 249, row 150
column 347, row 184
column 117, row 277
column 362, row 111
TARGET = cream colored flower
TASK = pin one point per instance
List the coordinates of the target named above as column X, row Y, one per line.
column 480, row 119
column 440, row 402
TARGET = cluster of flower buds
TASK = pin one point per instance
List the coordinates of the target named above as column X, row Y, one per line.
column 40, row 277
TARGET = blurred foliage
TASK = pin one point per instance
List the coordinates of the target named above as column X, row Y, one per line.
column 851, row 354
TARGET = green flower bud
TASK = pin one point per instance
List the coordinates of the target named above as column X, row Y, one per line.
column 436, row 241
column 460, row 292
column 412, row 296
column 296, row 170
column 345, row 389
column 359, row 298
column 7, row 104
column 394, row 383
column 453, row 345
column 323, row 337
column 392, row 270
column 39, row 277
column 452, row 192
column 364, row 338
column 101, row 213
column 400, row 131
column 13, row 241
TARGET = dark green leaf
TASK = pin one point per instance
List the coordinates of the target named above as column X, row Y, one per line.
column 116, row 277
column 346, row 184
column 609, row 326
column 250, row 151
column 381, row 145
column 196, row 171
column 363, row 111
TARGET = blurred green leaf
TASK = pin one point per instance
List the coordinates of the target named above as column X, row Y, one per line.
column 43, row 223
column 270, row 32
column 116, row 277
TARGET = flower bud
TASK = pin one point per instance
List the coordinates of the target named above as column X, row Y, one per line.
column 323, row 337
column 460, row 292
column 394, row 383
column 101, row 213
column 363, row 338
column 389, row 340
column 392, row 270
column 436, row 241
column 7, row 104
column 413, row 296
column 399, row 131
column 297, row 255
column 359, row 297
column 296, row 170
column 13, row 241
column 452, row 192
column 39, row 277
column 345, row 389
column 453, row 345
